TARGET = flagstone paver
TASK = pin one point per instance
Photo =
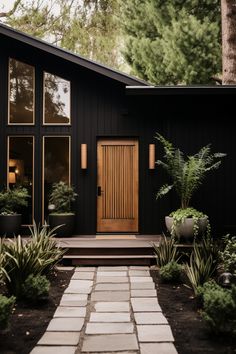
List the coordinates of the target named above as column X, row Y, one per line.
column 109, row 317
column 109, row 328
column 157, row 348
column 111, row 342
column 60, row 338
column 110, row 296
column 108, row 310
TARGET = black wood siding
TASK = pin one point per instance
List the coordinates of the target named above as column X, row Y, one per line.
column 100, row 108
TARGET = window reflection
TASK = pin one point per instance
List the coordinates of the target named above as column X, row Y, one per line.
column 20, row 170
column 21, row 92
column 56, row 164
column 56, row 100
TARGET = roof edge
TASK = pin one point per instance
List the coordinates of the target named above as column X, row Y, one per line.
column 70, row 56
column 179, row 90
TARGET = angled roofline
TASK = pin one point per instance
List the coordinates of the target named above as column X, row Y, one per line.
column 70, row 56
column 180, row 90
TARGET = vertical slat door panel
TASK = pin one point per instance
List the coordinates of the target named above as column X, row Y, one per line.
column 117, row 206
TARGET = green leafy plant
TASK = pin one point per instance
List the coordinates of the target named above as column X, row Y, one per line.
column 219, row 309
column 166, row 251
column 12, row 200
column 62, row 196
column 186, row 173
column 179, row 217
column 34, row 256
column 36, row 288
column 203, row 263
column 228, row 255
column 3, row 273
column 6, row 305
column 171, row 272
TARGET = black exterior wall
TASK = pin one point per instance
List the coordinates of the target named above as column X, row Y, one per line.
column 101, row 107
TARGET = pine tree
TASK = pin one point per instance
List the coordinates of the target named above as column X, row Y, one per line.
column 87, row 27
column 173, row 41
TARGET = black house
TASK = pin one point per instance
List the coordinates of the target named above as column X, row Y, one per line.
column 67, row 118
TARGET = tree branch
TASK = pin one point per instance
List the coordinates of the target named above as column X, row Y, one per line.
column 11, row 12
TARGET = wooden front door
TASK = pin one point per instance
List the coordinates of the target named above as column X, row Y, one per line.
column 117, row 191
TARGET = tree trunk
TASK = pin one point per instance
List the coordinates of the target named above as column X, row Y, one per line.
column 228, row 18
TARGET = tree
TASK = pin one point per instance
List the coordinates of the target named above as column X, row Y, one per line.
column 173, row 41
column 87, row 27
column 228, row 15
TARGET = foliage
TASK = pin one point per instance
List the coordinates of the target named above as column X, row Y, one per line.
column 207, row 286
column 62, row 195
column 179, row 217
column 6, row 305
column 166, row 251
column 219, row 309
column 3, row 273
column 35, row 256
column 187, row 173
column 87, row 27
column 171, row 272
column 11, row 200
column 172, row 41
column 202, row 264
column 36, row 288
column 228, row 255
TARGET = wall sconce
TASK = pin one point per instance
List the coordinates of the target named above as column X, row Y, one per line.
column 83, row 156
column 151, row 156
column 12, row 178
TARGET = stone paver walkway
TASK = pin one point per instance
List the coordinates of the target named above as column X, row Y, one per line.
column 108, row 310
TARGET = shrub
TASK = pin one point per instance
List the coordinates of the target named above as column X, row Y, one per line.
column 219, row 309
column 6, row 305
column 208, row 286
column 228, row 256
column 62, row 196
column 166, row 251
column 11, row 200
column 36, row 256
column 203, row 263
column 171, row 272
column 36, row 288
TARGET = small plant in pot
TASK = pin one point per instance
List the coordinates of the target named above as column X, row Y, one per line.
column 11, row 202
column 187, row 174
column 61, row 198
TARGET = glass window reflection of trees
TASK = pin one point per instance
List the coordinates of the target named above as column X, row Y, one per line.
column 56, row 100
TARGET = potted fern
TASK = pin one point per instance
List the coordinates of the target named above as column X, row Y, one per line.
column 187, row 174
column 11, row 202
column 61, row 198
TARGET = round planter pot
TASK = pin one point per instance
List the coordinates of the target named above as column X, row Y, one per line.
column 184, row 231
column 10, row 225
column 68, row 222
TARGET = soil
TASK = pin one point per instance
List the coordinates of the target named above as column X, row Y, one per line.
column 189, row 330
column 28, row 322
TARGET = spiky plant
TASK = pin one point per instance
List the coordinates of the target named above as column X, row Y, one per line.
column 187, row 173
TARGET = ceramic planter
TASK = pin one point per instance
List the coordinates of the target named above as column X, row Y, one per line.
column 185, row 230
column 10, row 225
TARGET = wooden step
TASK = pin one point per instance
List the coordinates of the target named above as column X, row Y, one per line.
column 109, row 260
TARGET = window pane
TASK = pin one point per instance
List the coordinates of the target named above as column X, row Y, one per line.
column 56, row 100
column 56, row 164
column 21, row 95
column 20, row 170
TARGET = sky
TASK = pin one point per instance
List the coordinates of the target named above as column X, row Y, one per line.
column 6, row 4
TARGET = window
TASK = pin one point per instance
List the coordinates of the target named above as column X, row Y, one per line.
column 56, row 100
column 21, row 93
column 21, row 170
column 56, row 165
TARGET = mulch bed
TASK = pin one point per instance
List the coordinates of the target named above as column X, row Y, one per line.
column 28, row 323
column 190, row 333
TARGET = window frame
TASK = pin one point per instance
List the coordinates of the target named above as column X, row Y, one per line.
column 43, row 167
column 8, row 97
column 55, row 124
column 33, row 165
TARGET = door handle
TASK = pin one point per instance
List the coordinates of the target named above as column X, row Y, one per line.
column 99, row 191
